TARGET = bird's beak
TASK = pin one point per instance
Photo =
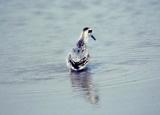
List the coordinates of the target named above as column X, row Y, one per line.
column 93, row 37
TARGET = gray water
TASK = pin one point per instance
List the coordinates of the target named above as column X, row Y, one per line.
column 123, row 77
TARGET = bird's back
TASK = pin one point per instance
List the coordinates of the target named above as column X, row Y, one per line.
column 79, row 53
column 79, row 56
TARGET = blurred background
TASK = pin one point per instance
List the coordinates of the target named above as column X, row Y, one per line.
column 123, row 75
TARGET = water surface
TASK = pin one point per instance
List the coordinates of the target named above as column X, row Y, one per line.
column 123, row 75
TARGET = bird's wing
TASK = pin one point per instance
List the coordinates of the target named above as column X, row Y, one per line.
column 78, row 54
column 81, row 61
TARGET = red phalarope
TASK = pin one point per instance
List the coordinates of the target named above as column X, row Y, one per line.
column 78, row 58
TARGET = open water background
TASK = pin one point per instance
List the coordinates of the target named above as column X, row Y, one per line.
column 123, row 77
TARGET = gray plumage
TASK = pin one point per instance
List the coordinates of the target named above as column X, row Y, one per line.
column 79, row 56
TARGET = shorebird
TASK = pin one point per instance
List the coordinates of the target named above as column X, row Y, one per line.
column 79, row 56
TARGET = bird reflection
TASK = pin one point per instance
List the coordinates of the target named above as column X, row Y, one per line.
column 81, row 81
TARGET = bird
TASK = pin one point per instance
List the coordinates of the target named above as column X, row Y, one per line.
column 78, row 57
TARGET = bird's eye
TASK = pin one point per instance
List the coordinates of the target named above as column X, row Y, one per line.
column 90, row 31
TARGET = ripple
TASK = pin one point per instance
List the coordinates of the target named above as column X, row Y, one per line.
column 76, row 5
column 120, row 82
column 133, row 62
column 37, row 73
column 148, row 44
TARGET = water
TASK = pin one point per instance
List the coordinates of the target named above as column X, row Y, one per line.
column 123, row 75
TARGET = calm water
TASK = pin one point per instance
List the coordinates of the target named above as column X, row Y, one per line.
column 123, row 77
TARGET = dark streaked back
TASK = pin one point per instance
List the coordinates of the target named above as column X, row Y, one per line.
column 80, row 43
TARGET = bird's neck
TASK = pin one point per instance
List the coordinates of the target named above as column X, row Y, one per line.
column 84, row 37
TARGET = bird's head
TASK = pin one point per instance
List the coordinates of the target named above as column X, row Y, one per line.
column 87, row 33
